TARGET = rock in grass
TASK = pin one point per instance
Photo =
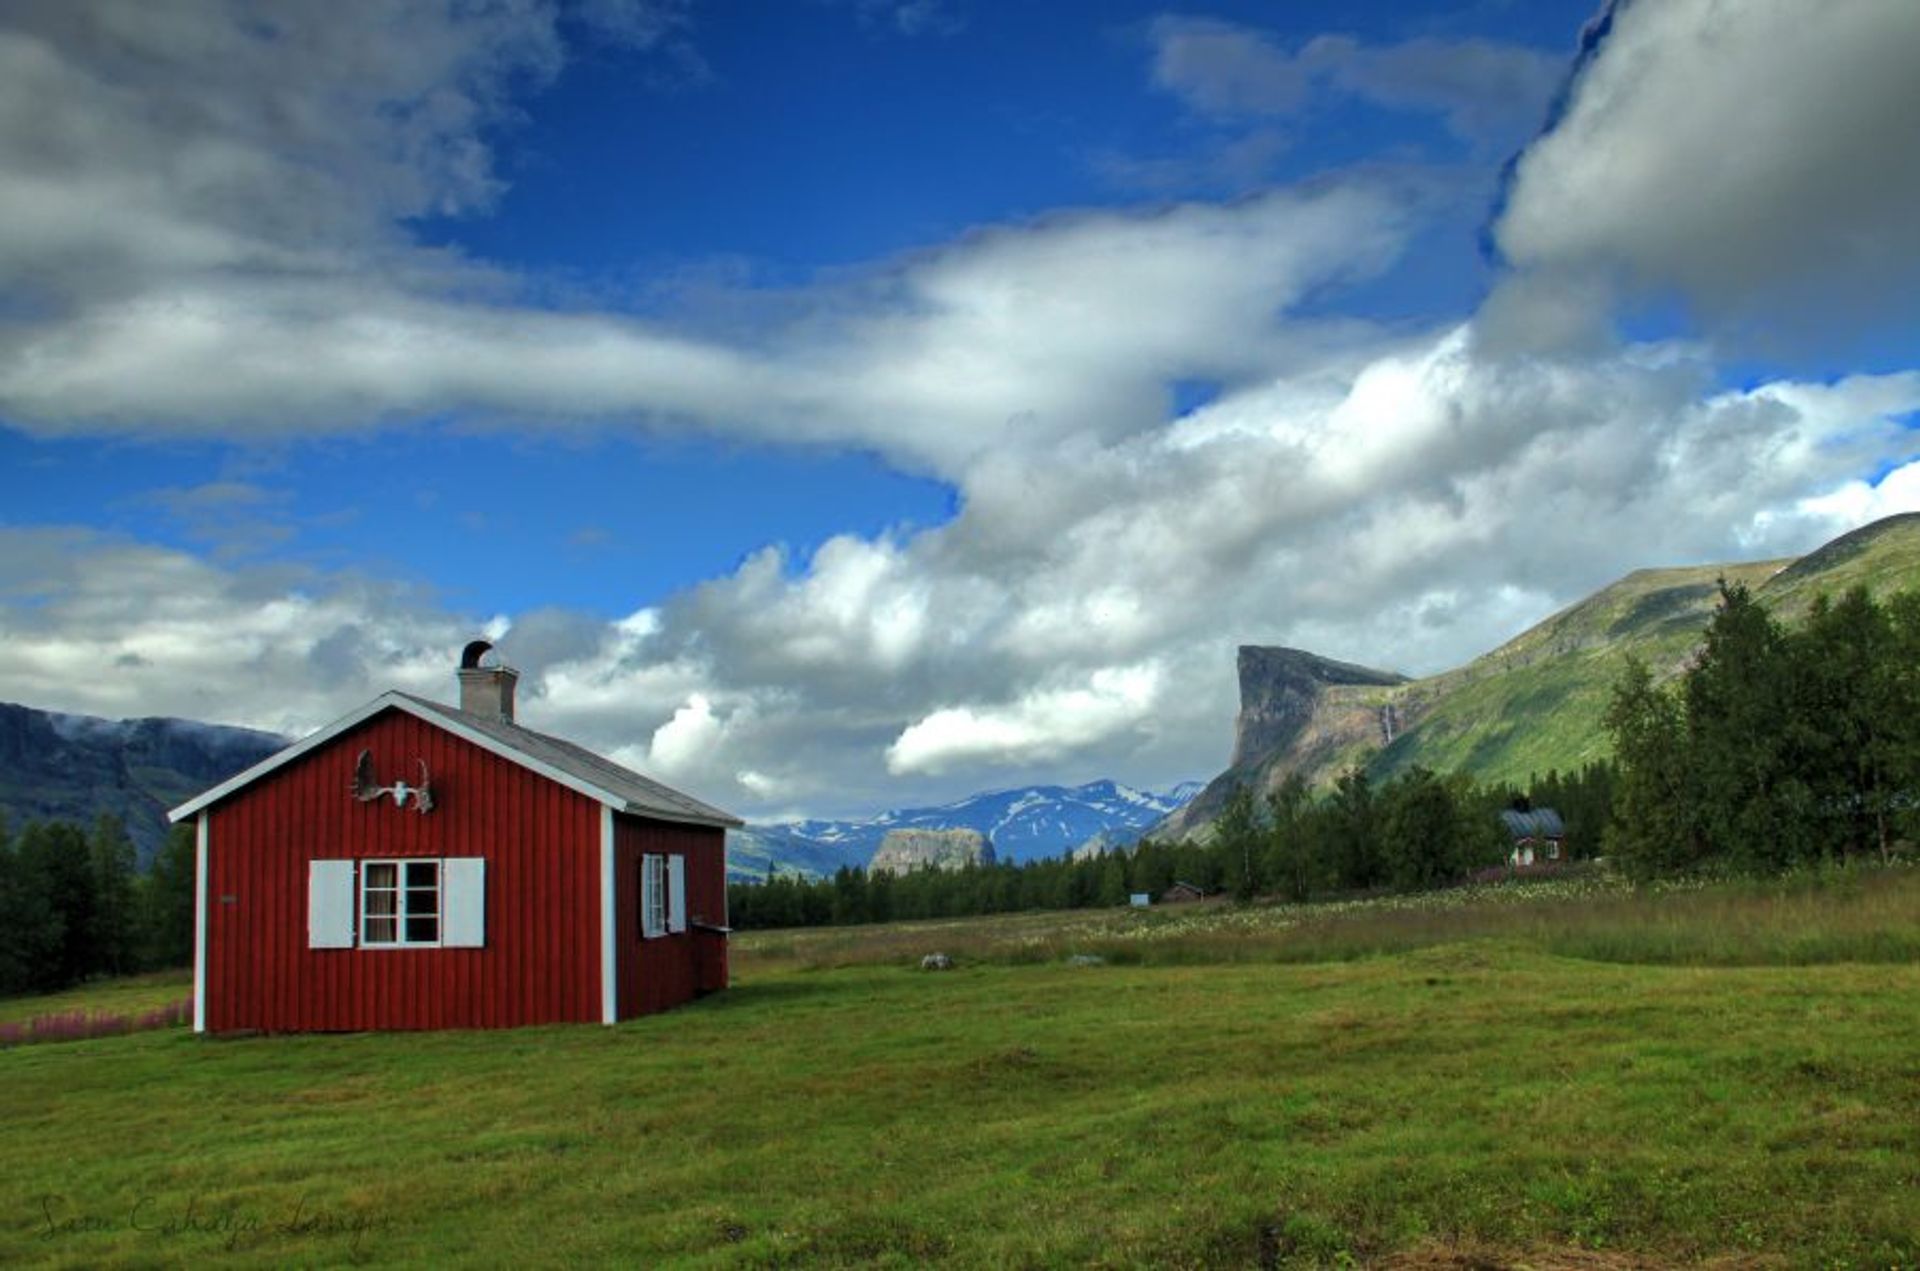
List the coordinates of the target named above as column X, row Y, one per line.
column 936, row 962
column 1086, row 959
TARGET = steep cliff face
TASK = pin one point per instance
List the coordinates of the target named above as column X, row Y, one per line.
column 903, row 850
column 1296, row 704
column 1280, row 690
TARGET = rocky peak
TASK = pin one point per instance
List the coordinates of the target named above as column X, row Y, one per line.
column 903, row 850
column 1278, row 691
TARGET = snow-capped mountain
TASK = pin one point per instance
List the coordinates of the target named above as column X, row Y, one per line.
column 1024, row 824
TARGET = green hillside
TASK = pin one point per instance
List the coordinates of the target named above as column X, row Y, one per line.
column 1537, row 702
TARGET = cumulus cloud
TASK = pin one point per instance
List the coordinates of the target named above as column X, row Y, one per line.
column 1757, row 157
column 1402, row 497
column 1409, row 509
column 223, row 254
column 1042, row 726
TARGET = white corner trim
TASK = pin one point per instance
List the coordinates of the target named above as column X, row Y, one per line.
column 200, row 924
column 609, row 941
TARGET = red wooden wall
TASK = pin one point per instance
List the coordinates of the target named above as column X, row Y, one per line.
column 541, row 841
column 668, row 970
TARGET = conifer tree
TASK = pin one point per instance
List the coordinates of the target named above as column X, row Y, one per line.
column 1237, row 844
column 1294, row 854
column 1654, row 829
column 115, row 918
column 1755, row 806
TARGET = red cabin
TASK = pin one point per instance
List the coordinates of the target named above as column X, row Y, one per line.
column 416, row 866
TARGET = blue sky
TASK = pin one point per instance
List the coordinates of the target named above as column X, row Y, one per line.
column 835, row 404
column 813, row 138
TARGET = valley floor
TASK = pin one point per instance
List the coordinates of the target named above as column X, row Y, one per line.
column 1475, row 1097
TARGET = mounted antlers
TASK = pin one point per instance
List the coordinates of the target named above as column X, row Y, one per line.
column 366, row 787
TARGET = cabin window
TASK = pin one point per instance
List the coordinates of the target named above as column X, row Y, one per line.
column 663, row 895
column 653, row 895
column 400, row 903
column 422, row 903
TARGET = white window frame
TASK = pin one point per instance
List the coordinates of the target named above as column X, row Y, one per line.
column 653, row 895
column 402, row 914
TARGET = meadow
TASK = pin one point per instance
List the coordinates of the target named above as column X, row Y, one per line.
column 1572, row 1074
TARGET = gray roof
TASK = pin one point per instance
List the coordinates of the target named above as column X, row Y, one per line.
column 644, row 796
column 599, row 778
column 1541, row 823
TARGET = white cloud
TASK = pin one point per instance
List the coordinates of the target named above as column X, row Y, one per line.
column 215, row 246
column 1409, row 512
column 1757, row 156
column 1400, row 497
column 1043, row 725
column 686, row 741
column 1858, row 502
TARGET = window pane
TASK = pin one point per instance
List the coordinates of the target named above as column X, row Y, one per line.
column 422, row 930
column 423, row 873
column 380, row 931
column 381, row 874
column 382, row 903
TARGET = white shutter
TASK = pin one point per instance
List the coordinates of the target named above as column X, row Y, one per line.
column 463, row 889
column 329, row 904
column 676, row 893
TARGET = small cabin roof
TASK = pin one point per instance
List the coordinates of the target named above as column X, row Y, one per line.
column 558, row 760
column 1538, row 823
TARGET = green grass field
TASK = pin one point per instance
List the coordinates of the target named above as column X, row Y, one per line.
column 127, row 996
column 1572, row 1076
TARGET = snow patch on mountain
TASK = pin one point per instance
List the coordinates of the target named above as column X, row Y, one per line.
column 1024, row 824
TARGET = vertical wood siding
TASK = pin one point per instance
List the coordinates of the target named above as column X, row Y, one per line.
column 541, row 961
column 667, row 970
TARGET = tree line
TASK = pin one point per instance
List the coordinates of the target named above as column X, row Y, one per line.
column 1418, row 829
column 73, row 905
column 1775, row 748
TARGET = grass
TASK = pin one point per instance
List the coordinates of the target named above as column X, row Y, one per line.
column 1439, row 1085
column 129, row 995
column 1841, row 915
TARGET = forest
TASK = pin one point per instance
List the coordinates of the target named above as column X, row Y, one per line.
column 73, row 906
column 1416, row 831
column 1774, row 749
column 1777, row 748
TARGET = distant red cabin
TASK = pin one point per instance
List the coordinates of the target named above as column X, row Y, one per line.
column 413, row 865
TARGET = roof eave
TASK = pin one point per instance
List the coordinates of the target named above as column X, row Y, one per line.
column 403, row 702
column 720, row 822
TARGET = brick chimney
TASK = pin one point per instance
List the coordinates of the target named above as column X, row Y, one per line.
column 486, row 691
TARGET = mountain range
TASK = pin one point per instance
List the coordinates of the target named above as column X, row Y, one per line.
column 56, row 767
column 1533, row 704
column 1023, row 824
